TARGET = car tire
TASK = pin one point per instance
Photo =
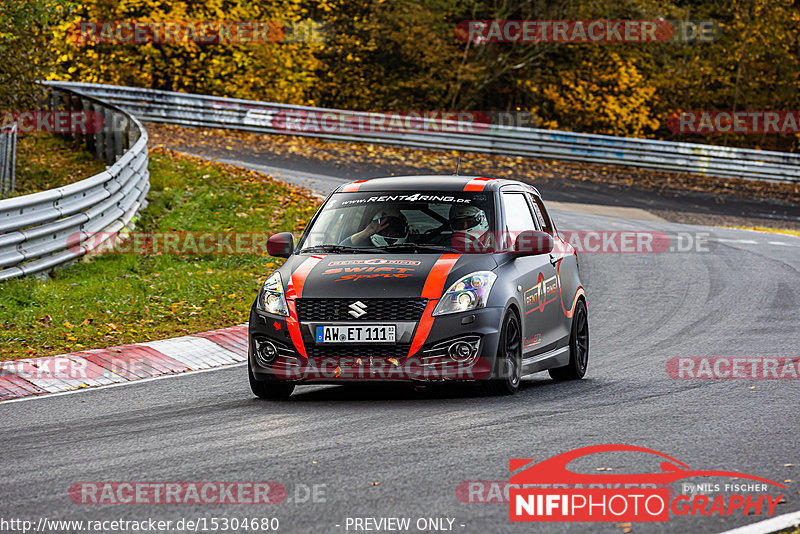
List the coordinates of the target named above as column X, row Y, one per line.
column 578, row 347
column 269, row 389
column 508, row 363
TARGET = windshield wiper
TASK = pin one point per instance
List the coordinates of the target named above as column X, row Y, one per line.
column 418, row 247
column 334, row 248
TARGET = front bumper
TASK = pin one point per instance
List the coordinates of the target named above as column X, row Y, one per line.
column 373, row 362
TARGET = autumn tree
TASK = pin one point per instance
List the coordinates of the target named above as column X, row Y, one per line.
column 281, row 71
column 26, row 49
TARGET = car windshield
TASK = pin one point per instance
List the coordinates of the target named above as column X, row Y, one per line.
column 417, row 222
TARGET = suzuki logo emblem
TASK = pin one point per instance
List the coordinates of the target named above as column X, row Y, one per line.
column 357, row 309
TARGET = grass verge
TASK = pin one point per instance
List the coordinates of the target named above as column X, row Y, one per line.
column 45, row 161
column 115, row 299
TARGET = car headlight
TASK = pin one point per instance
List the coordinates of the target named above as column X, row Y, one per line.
column 469, row 293
column 272, row 298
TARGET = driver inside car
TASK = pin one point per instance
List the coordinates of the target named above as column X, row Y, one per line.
column 466, row 227
column 387, row 227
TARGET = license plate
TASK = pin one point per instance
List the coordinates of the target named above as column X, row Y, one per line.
column 356, row 334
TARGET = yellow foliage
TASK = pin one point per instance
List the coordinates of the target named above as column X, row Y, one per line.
column 609, row 97
column 274, row 71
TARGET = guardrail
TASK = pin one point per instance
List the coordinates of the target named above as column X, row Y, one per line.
column 8, row 156
column 40, row 231
column 216, row 112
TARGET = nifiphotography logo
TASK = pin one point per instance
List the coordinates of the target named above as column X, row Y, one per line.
column 548, row 491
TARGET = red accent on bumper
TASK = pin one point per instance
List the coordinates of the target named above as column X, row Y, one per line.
column 432, row 290
column 293, row 326
column 294, row 289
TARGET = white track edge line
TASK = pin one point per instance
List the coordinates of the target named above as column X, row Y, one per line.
column 118, row 384
column 766, row 526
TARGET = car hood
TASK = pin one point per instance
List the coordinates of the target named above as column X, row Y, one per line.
column 378, row 275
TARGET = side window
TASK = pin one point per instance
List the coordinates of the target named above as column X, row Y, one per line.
column 541, row 214
column 518, row 216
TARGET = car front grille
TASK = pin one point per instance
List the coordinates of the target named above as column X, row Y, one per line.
column 358, row 351
column 369, row 310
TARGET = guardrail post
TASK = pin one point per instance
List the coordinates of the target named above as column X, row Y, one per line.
column 118, row 121
column 12, row 166
column 108, row 134
column 88, row 139
column 122, row 135
column 61, row 102
column 99, row 138
column 8, row 160
column 74, row 107
column 5, row 143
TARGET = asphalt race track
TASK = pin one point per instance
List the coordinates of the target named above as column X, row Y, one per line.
column 401, row 452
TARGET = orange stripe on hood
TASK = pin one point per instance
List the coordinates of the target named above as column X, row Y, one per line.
column 432, row 290
column 294, row 289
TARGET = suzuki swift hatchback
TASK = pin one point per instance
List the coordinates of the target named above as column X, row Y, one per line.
column 421, row 278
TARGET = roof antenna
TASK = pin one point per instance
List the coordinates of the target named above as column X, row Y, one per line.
column 458, row 165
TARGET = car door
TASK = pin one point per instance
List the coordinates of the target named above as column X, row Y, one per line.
column 566, row 265
column 536, row 279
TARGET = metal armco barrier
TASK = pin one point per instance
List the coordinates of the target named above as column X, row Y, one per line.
column 215, row 112
column 39, row 231
column 8, row 155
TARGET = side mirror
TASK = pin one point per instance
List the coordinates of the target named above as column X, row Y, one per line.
column 531, row 243
column 280, row 245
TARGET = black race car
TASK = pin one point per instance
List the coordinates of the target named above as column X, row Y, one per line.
column 421, row 278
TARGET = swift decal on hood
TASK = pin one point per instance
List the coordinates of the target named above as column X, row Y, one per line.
column 357, row 273
column 370, row 268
